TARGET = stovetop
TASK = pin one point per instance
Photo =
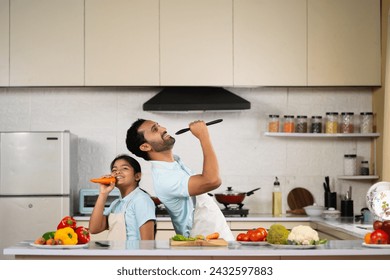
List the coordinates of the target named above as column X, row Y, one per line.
column 227, row 212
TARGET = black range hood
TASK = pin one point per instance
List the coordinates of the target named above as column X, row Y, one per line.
column 182, row 99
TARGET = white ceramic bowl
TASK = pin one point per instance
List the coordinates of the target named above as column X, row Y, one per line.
column 314, row 210
column 331, row 214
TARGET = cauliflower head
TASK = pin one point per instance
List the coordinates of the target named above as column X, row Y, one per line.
column 303, row 235
column 277, row 234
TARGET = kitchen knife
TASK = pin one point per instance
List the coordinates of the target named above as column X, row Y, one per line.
column 181, row 131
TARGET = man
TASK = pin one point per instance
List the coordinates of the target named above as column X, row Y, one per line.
column 184, row 194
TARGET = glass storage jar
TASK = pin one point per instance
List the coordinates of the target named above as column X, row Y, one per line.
column 332, row 122
column 273, row 123
column 316, row 124
column 364, row 168
column 288, row 124
column 366, row 122
column 301, row 126
column 350, row 165
column 347, row 122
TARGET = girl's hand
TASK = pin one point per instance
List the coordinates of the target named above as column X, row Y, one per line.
column 106, row 189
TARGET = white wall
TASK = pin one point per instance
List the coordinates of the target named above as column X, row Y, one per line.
column 248, row 159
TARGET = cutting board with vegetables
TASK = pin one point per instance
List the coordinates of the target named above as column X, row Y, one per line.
column 199, row 243
column 298, row 198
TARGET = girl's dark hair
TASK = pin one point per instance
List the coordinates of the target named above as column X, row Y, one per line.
column 134, row 140
column 133, row 162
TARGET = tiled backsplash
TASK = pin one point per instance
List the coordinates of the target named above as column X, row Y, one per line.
column 248, row 159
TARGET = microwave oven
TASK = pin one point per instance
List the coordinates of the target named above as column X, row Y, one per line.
column 88, row 197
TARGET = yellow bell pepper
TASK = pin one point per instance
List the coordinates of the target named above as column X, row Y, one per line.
column 67, row 235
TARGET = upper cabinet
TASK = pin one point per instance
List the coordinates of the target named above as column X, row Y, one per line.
column 196, row 42
column 121, row 42
column 46, row 43
column 4, row 43
column 270, row 42
column 344, row 42
column 190, row 43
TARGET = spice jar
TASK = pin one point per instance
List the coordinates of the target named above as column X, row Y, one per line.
column 316, row 124
column 366, row 122
column 364, row 168
column 347, row 124
column 301, row 126
column 350, row 165
column 331, row 125
column 273, row 123
column 288, row 124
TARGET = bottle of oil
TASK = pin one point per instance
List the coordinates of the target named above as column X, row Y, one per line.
column 276, row 199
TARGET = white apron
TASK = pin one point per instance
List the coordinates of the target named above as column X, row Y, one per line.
column 117, row 225
column 208, row 218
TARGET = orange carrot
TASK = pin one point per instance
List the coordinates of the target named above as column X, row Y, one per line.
column 104, row 180
column 214, row 235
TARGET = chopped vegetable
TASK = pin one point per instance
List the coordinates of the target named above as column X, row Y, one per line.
column 214, row 235
column 66, row 235
column 67, row 221
column 104, row 180
column 179, row 237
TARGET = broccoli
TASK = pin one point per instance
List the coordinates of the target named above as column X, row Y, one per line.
column 277, row 234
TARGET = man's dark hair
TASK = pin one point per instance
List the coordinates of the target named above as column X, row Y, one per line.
column 135, row 139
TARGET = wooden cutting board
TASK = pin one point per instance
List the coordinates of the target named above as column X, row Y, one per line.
column 199, row 243
column 298, row 198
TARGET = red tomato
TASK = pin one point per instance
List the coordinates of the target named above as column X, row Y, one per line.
column 377, row 224
column 386, row 228
column 263, row 232
column 240, row 237
column 379, row 236
column 256, row 236
column 245, row 237
column 250, row 231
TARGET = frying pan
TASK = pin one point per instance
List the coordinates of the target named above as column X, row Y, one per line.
column 232, row 197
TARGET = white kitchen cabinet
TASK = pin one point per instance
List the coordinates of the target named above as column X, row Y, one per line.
column 344, row 43
column 270, row 43
column 46, row 43
column 122, row 42
column 196, row 42
column 4, row 43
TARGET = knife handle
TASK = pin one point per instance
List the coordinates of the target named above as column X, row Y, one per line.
column 181, row 131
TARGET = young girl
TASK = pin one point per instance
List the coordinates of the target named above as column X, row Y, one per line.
column 132, row 217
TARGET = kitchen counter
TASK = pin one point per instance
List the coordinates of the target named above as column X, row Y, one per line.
column 346, row 225
column 160, row 249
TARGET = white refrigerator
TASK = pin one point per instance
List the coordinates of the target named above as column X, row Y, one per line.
column 38, row 183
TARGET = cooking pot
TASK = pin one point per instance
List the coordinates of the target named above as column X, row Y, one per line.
column 231, row 196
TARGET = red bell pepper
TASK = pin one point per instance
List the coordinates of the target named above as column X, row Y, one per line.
column 83, row 235
column 67, row 221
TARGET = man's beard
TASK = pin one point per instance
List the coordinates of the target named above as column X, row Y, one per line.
column 166, row 145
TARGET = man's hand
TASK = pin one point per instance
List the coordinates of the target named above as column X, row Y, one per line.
column 199, row 129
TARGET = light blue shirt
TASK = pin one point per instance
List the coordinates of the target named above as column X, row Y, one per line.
column 170, row 180
column 138, row 208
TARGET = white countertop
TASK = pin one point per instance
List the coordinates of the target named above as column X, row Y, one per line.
column 346, row 225
column 159, row 248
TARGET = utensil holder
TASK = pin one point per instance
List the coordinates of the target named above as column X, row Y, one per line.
column 330, row 200
column 347, row 208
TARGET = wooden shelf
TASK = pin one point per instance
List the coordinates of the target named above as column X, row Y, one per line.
column 322, row 135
